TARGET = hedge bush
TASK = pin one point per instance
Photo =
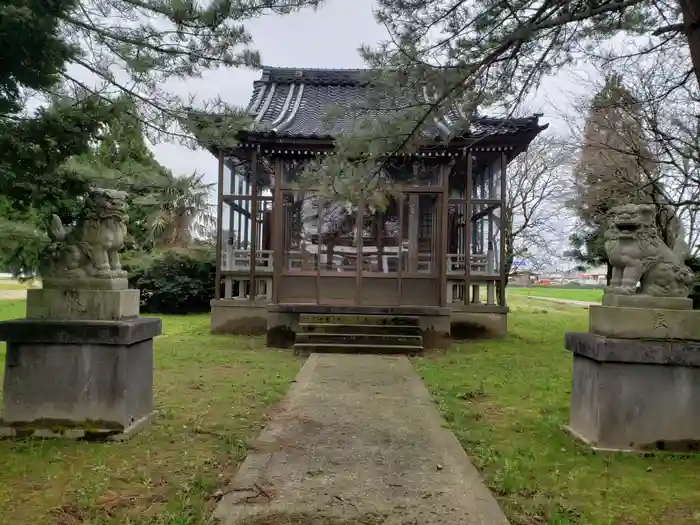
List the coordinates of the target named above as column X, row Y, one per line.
column 174, row 281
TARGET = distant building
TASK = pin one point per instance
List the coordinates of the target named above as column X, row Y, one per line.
column 592, row 276
column 523, row 278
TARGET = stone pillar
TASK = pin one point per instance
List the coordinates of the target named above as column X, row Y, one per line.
column 79, row 365
column 636, row 375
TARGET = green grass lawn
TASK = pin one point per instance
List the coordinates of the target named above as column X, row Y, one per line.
column 506, row 402
column 211, row 393
column 584, row 294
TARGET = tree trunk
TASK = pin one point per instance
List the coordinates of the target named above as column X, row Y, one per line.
column 509, row 255
column 691, row 20
column 507, row 230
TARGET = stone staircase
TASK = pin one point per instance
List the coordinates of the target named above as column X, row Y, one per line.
column 358, row 334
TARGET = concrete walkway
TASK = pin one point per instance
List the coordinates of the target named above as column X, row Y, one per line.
column 12, row 295
column 357, row 441
column 572, row 302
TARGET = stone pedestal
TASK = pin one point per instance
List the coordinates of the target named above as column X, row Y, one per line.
column 78, row 305
column 636, row 376
column 81, row 368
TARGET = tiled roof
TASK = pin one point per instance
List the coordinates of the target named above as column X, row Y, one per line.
column 294, row 102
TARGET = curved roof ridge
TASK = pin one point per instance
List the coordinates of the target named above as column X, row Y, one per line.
column 319, row 76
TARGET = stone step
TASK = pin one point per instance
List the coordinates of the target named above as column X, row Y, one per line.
column 342, row 328
column 360, row 339
column 304, row 349
column 380, row 320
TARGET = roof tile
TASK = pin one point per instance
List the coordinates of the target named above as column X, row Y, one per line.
column 300, row 100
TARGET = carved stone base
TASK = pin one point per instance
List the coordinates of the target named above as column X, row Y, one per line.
column 84, row 283
column 648, row 301
column 644, row 323
column 79, row 305
column 77, row 379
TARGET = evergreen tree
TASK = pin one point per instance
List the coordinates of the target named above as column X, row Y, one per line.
column 35, row 146
column 97, row 64
column 134, row 48
column 33, row 50
column 447, row 57
column 616, row 167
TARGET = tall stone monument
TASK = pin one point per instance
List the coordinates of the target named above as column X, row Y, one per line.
column 636, row 372
column 81, row 363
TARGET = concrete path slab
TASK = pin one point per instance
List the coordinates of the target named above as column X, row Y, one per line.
column 572, row 302
column 357, row 441
column 12, row 295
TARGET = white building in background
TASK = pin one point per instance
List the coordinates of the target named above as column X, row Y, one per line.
column 593, row 276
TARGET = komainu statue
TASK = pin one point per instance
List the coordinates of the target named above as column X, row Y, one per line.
column 638, row 255
column 91, row 248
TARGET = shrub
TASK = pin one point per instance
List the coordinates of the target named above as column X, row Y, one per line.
column 174, row 281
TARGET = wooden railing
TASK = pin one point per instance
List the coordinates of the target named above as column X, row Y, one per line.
column 480, row 264
column 239, row 287
column 239, row 260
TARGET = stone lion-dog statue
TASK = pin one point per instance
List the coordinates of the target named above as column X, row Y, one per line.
column 91, row 248
column 639, row 255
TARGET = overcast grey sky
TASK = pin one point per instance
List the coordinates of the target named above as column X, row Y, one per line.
column 326, row 38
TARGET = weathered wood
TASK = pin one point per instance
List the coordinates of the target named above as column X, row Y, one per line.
column 219, row 226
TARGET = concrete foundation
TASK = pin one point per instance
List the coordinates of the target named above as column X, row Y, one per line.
column 281, row 329
column 635, row 395
column 435, row 331
column 77, row 379
column 243, row 317
column 280, row 322
column 468, row 324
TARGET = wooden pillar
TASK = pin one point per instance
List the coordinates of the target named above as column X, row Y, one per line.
column 230, row 240
column 245, row 204
column 239, row 231
column 413, row 222
column 468, row 226
column 279, row 228
column 359, row 260
column 378, row 224
column 321, row 207
column 399, row 266
column 443, row 248
column 491, row 285
column 253, row 223
column 502, row 248
column 219, row 226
